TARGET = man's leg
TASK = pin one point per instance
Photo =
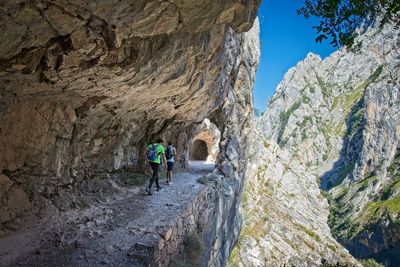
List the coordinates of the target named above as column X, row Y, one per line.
column 157, row 183
column 154, row 177
column 170, row 167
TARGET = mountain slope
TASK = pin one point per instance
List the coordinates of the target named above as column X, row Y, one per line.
column 332, row 124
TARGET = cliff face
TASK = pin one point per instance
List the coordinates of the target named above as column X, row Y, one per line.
column 332, row 124
column 85, row 86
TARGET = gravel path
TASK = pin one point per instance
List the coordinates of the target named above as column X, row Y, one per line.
column 104, row 234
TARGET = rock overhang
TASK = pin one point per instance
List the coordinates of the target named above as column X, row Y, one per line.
column 102, row 64
column 83, row 91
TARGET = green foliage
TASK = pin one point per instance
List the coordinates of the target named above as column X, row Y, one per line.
column 336, row 219
column 338, row 264
column 393, row 187
column 284, row 118
column 370, row 263
column 356, row 120
column 254, row 230
column 306, row 120
column 234, row 258
column 394, row 168
column 339, row 130
column 266, row 144
column 386, row 207
column 376, row 74
column 373, row 213
column 390, row 206
column 332, row 247
column 327, row 130
column 310, row 233
column 362, row 185
column 334, row 103
column 340, row 18
column 325, row 89
column 305, row 99
column 303, row 135
column 346, row 228
column 344, row 171
column 350, row 98
column 342, row 193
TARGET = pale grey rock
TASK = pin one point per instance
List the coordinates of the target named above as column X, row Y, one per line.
column 332, row 123
column 209, row 133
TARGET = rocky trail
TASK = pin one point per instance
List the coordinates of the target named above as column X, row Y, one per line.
column 129, row 228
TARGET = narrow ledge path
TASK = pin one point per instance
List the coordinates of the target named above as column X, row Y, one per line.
column 129, row 229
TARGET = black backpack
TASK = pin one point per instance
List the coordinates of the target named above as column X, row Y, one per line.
column 169, row 153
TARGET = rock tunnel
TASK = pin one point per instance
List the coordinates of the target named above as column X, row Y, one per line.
column 198, row 150
column 206, row 142
column 84, row 87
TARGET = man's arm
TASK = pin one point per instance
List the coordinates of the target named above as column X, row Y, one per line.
column 164, row 159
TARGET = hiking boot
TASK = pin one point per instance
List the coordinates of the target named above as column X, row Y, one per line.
column 158, row 188
column 148, row 190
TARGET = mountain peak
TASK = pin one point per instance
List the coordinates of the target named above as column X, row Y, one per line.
column 312, row 58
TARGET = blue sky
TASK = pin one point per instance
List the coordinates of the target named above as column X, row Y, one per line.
column 286, row 38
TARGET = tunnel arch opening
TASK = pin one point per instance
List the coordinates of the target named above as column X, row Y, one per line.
column 203, row 148
column 198, row 151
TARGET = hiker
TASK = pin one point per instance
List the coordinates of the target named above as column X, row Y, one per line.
column 154, row 154
column 170, row 154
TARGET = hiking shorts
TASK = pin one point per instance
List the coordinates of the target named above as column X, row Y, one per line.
column 170, row 165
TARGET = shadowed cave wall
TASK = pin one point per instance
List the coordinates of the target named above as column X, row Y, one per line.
column 199, row 150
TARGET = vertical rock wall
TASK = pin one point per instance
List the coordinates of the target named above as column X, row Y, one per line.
column 333, row 125
column 236, row 116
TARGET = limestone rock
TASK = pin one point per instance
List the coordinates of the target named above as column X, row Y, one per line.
column 332, row 124
column 86, row 85
column 208, row 136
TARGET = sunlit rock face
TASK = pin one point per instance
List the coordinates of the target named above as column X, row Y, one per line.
column 205, row 144
column 85, row 85
column 332, row 124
